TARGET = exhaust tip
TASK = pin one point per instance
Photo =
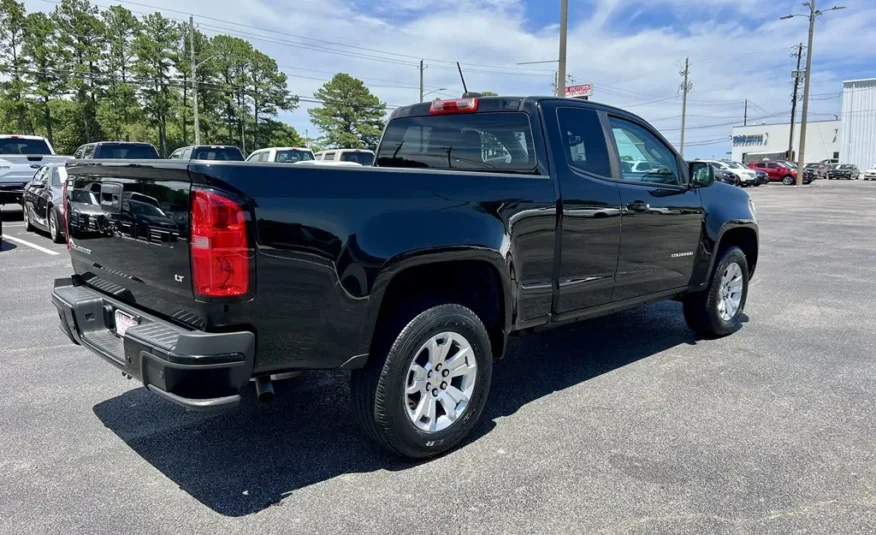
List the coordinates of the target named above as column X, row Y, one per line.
column 264, row 389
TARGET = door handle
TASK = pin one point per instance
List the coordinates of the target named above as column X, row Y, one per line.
column 639, row 206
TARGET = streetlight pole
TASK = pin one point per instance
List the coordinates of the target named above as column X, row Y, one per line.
column 813, row 14
column 430, row 92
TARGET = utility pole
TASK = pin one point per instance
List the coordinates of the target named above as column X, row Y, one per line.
column 813, row 14
column 194, row 80
column 685, row 87
column 794, row 102
column 561, row 74
column 745, row 115
column 421, row 80
column 801, row 158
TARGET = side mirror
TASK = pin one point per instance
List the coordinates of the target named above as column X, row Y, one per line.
column 702, row 175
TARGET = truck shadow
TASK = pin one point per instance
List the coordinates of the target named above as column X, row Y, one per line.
column 240, row 462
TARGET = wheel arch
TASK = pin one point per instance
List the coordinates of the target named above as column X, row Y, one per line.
column 742, row 234
column 475, row 278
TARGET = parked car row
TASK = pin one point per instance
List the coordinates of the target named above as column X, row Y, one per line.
column 735, row 174
column 845, row 171
column 780, row 171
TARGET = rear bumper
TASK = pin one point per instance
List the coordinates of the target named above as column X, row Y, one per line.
column 198, row 370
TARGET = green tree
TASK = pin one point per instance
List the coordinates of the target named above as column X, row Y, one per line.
column 12, row 92
column 232, row 63
column 278, row 134
column 350, row 116
column 46, row 60
column 155, row 49
column 81, row 34
column 120, row 108
column 267, row 89
column 489, row 94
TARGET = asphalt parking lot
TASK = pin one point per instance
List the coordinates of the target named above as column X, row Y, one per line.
column 626, row 424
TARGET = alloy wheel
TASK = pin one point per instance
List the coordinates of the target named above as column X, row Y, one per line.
column 440, row 382
column 730, row 292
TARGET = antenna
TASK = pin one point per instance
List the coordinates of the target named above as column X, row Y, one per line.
column 461, row 77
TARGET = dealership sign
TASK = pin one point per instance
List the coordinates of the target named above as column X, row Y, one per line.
column 580, row 90
column 753, row 139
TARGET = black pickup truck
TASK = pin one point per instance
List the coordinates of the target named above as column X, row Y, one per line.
column 483, row 218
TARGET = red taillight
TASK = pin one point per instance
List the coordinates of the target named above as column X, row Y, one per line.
column 66, row 206
column 459, row 105
column 220, row 249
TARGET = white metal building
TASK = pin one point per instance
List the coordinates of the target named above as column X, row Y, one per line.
column 770, row 141
column 859, row 123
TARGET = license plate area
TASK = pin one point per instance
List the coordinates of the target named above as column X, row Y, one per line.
column 124, row 321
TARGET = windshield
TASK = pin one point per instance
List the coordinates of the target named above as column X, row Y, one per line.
column 24, row 146
column 231, row 154
column 294, row 155
column 490, row 142
column 360, row 156
column 126, row 151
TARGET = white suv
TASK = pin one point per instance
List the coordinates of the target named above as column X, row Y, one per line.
column 359, row 156
column 282, row 155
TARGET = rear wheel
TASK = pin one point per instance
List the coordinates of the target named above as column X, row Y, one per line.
column 788, row 180
column 27, row 225
column 716, row 311
column 424, row 394
column 54, row 229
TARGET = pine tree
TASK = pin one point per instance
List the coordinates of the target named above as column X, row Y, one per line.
column 120, row 107
column 155, row 49
column 81, row 34
column 12, row 92
column 350, row 116
column 46, row 59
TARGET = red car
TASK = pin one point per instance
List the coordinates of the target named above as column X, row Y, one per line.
column 778, row 172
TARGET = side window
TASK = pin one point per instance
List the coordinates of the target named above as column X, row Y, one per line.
column 773, row 166
column 651, row 161
column 88, row 151
column 584, row 141
column 187, row 154
column 78, row 154
column 176, row 154
column 56, row 177
column 328, row 156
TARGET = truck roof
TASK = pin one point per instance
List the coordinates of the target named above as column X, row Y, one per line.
column 509, row 103
column 20, row 136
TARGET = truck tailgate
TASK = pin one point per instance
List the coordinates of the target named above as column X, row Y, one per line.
column 129, row 233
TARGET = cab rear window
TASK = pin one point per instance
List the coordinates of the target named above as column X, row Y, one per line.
column 487, row 142
column 231, row 154
column 13, row 145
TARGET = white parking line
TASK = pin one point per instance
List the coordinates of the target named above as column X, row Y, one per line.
column 14, row 225
column 35, row 246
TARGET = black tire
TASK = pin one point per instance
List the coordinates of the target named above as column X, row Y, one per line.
column 54, row 226
column 378, row 389
column 788, row 180
column 701, row 309
column 28, row 227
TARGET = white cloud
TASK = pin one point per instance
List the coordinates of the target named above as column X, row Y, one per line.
column 745, row 56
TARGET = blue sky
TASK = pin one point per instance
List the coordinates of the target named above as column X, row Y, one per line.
column 631, row 50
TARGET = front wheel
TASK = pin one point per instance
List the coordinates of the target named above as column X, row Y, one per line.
column 424, row 394
column 716, row 311
column 788, row 180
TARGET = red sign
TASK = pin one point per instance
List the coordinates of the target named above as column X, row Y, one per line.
column 580, row 90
